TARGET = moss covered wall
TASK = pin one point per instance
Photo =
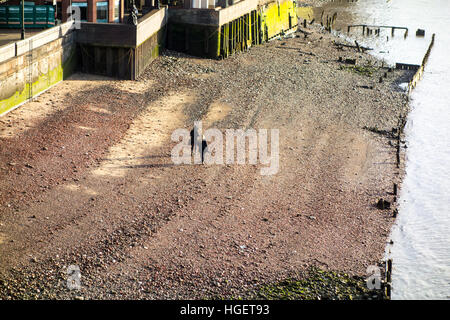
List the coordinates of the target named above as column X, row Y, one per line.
column 253, row 28
column 278, row 17
column 28, row 75
column 147, row 51
column 305, row 13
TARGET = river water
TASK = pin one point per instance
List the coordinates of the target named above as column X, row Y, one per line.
column 421, row 235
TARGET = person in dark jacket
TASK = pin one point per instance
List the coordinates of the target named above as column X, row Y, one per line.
column 204, row 145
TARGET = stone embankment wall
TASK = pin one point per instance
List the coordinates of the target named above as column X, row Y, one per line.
column 31, row 66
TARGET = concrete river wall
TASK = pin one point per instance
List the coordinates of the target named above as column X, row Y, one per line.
column 217, row 33
column 30, row 66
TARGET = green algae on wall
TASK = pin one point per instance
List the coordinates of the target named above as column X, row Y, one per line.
column 305, row 13
column 278, row 18
column 256, row 27
column 42, row 83
column 147, row 51
column 237, row 35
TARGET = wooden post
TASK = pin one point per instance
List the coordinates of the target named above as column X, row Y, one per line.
column 242, row 33
column 388, row 290
column 388, row 277
column 232, row 26
column 357, row 46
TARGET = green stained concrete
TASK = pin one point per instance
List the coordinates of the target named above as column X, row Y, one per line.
column 43, row 82
column 250, row 29
column 279, row 18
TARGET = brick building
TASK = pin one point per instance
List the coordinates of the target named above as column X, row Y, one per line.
column 102, row 11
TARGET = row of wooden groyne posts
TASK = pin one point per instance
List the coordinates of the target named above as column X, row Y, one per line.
column 397, row 132
column 419, row 70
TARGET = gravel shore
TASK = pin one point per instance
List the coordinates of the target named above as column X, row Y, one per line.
column 87, row 178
